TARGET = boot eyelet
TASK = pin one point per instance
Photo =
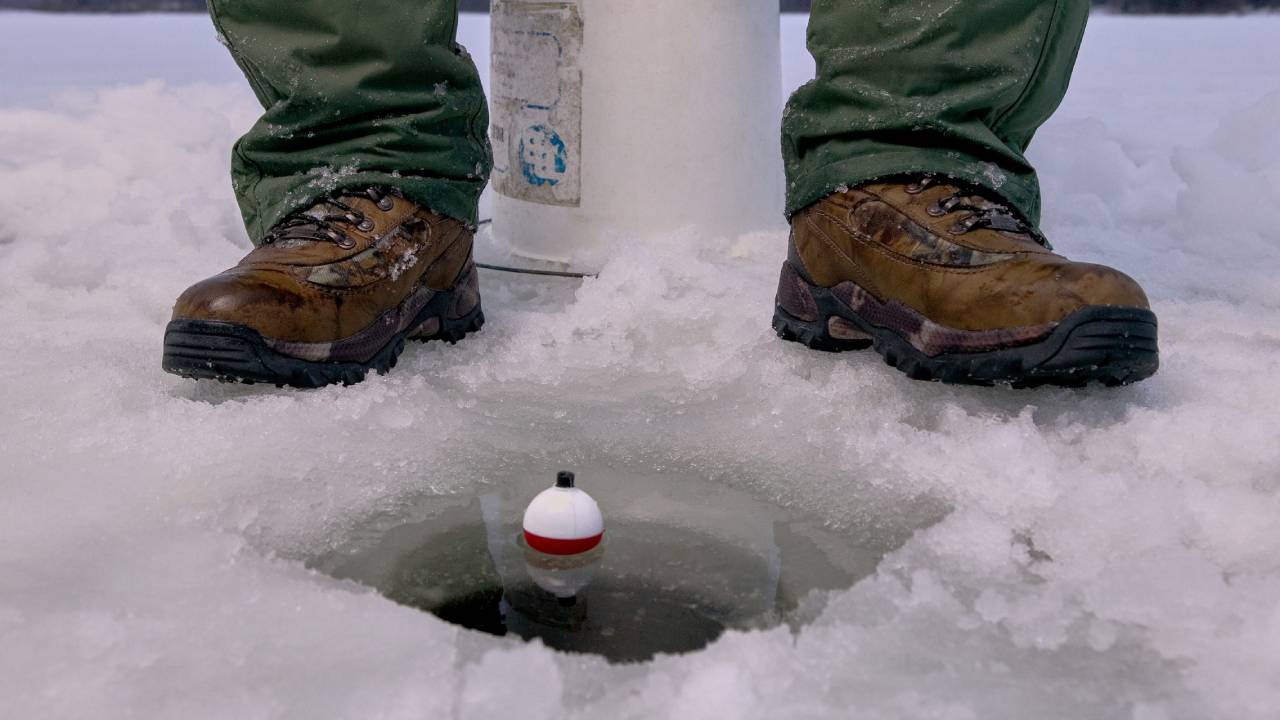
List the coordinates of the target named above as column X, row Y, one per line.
column 914, row 189
column 366, row 225
column 935, row 210
column 345, row 242
column 385, row 204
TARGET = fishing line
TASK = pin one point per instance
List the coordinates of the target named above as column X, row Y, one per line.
column 529, row 271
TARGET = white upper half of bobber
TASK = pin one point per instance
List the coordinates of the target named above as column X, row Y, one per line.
column 560, row 513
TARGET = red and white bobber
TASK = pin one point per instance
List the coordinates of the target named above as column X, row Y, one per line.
column 563, row 520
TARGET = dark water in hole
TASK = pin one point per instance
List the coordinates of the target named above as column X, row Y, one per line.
column 622, row 622
column 682, row 562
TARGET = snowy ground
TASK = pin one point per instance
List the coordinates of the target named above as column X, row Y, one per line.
column 153, row 530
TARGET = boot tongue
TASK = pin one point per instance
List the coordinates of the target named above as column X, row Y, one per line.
column 318, row 222
column 317, row 211
column 339, row 204
column 986, row 213
column 304, row 228
column 303, row 238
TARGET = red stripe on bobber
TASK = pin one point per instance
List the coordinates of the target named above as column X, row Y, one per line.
column 555, row 546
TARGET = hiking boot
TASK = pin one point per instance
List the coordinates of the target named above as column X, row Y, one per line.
column 331, row 293
column 949, row 285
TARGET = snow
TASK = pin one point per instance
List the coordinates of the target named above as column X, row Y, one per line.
column 1105, row 554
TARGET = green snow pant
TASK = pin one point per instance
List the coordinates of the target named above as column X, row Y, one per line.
column 377, row 92
column 953, row 87
column 357, row 93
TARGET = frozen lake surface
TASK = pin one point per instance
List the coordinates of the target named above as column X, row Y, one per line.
column 1099, row 553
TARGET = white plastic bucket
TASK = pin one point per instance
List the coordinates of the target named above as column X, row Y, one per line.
column 612, row 120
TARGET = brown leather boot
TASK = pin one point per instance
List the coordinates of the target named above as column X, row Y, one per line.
column 949, row 285
column 331, row 293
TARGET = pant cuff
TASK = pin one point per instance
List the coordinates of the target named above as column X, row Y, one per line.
column 452, row 198
column 1021, row 191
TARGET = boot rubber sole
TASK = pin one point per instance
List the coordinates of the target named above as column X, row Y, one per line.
column 230, row 352
column 1109, row 344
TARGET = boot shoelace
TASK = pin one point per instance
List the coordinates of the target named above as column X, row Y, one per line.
column 979, row 212
column 327, row 227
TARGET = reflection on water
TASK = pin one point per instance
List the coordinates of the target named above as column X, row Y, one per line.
column 682, row 561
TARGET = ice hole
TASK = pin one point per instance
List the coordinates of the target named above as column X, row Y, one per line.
column 684, row 559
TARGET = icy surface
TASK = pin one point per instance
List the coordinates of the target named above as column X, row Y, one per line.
column 1108, row 554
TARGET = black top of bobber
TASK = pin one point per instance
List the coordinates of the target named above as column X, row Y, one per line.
column 564, row 479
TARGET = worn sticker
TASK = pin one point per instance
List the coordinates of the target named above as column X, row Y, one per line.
column 536, row 101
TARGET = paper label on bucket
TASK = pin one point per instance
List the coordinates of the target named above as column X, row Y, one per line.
column 536, row 103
